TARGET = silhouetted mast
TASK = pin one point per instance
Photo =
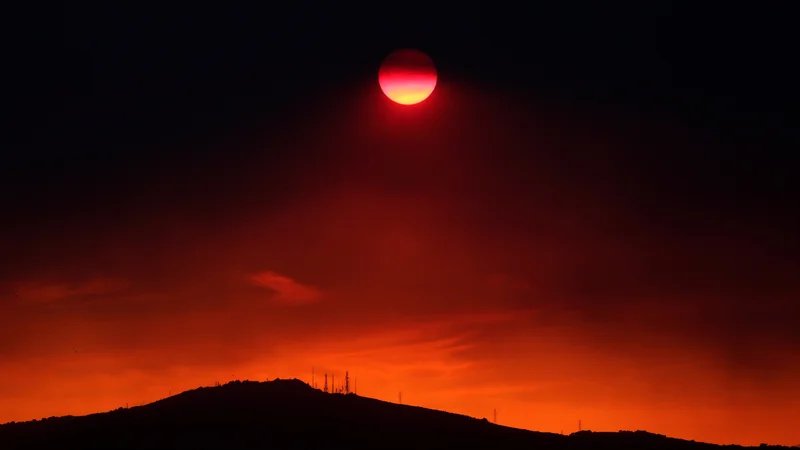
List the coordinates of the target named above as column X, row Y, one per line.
column 347, row 382
column 495, row 415
column 333, row 383
column 326, row 383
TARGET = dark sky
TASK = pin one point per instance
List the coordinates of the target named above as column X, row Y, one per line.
column 120, row 84
column 626, row 173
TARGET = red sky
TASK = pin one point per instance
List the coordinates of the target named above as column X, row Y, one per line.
column 440, row 250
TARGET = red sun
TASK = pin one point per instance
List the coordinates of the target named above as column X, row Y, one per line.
column 407, row 76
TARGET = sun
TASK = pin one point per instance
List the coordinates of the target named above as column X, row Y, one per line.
column 407, row 76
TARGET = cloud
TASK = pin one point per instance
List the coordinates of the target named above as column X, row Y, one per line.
column 287, row 291
column 41, row 292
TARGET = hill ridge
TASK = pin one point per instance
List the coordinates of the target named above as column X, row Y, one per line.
column 251, row 414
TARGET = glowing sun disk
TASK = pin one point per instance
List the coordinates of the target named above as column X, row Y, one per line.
column 407, row 76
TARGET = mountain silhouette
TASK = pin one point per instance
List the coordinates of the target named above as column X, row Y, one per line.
column 290, row 414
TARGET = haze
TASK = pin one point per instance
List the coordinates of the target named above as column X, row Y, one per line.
column 471, row 253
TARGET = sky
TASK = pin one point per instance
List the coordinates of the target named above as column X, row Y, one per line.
column 592, row 218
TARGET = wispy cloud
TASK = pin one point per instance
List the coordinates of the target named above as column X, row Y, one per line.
column 286, row 290
column 42, row 292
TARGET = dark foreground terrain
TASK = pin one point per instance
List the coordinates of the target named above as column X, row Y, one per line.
column 285, row 414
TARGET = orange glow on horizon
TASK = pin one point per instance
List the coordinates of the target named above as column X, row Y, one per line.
column 459, row 274
column 407, row 76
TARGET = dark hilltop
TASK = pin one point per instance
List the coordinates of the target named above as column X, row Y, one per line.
column 291, row 414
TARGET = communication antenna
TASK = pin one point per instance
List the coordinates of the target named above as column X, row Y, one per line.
column 495, row 415
column 356, row 386
column 347, row 382
column 326, row 383
column 333, row 384
column 400, row 397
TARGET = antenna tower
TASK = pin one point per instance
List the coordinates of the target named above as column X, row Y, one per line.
column 400, row 397
column 347, row 382
column 356, row 386
column 333, row 383
column 326, row 383
column 495, row 415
